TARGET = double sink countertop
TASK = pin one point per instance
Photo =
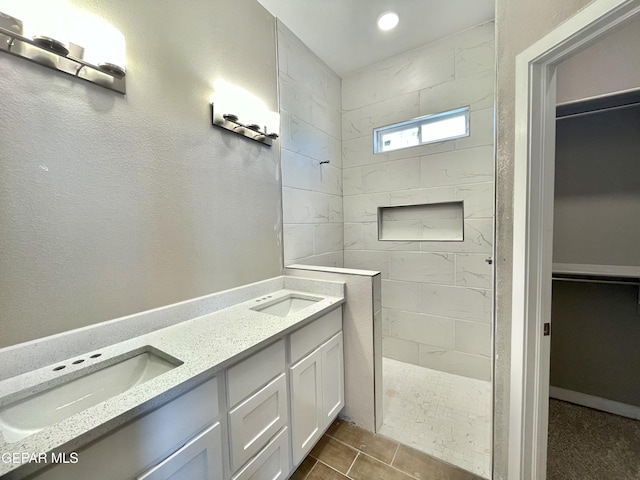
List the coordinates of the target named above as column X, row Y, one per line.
column 205, row 345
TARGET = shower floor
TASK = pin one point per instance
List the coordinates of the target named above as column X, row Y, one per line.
column 446, row 416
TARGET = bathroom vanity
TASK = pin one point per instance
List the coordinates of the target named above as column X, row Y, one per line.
column 242, row 392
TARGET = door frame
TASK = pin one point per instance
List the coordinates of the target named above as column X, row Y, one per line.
column 534, row 168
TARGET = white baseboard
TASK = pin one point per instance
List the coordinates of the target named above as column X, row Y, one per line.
column 606, row 405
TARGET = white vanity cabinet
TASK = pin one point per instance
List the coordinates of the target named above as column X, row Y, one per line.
column 317, row 381
column 161, row 441
column 259, row 411
column 247, row 423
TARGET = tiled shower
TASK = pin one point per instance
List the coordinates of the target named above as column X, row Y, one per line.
column 310, row 109
column 436, row 295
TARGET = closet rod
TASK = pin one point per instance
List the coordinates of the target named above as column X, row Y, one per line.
column 591, row 112
column 597, row 280
column 603, row 103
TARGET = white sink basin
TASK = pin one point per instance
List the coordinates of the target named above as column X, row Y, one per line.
column 34, row 413
column 287, row 305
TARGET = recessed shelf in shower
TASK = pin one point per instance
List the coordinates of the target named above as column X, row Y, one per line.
column 439, row 222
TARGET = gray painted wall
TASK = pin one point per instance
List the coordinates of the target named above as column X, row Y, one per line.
column 519, row 24
column 612, row 65
column 110, row 204
column 310, row 106
column 597, row 189
column 594, row 345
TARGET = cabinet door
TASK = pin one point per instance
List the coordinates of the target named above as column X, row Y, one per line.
column 199, row 459
column 306, row 404
column 332, row 379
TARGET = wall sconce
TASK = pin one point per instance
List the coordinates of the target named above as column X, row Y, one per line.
column 103, row 44
column 52, row 34
column 47, row 26
column 241, row 112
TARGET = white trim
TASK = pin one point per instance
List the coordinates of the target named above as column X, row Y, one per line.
column 599, row 403
column 601, row 270
column 343, row 271
column 534, row 164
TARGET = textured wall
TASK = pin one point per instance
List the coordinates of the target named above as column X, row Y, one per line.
column 519, row 24
column 111, row 204
column 611, row 65
column 597, row 189
column 594, row 346
column 436, row 295
column 310, row 106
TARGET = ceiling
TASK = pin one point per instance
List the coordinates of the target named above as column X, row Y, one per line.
column 344, row 33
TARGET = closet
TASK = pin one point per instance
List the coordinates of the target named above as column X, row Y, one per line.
column 594, row 407
column 595, row 341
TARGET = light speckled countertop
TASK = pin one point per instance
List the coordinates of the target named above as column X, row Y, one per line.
column 206, row 345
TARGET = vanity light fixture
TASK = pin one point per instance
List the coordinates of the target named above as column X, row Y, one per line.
column 47, row 24
column 103, row 44
column 241, row 112
column 388, row 21
column 52, row 34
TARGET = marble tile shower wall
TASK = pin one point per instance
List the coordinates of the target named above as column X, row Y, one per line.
column 437, row 296
column 310, row 108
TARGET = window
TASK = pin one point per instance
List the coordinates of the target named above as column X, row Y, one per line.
column 422, row 130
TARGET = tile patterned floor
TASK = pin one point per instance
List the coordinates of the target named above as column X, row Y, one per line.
column 349, row 452
column 444, row 415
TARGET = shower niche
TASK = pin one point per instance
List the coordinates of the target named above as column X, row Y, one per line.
column 427, row 222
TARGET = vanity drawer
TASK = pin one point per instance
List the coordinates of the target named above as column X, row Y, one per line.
column 251, row 374
column 256, row 420
column 316, row 333
column 272, row 463
column 144, row 441
column 199, row 459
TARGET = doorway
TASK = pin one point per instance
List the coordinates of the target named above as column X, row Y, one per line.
column 594, row 396
column 533, row 226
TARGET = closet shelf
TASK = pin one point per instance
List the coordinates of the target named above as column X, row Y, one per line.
column 625, row 275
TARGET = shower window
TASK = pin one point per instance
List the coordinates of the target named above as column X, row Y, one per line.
column 422, row 130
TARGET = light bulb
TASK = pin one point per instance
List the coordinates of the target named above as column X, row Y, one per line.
column 46, row 22
column 231, row 99
column 388, row 20
column 273, row 122
column 104, row 46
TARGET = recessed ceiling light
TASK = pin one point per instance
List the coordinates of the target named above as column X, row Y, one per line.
column 388, row 20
